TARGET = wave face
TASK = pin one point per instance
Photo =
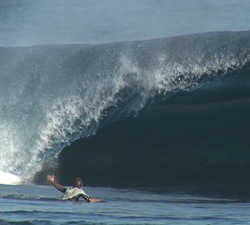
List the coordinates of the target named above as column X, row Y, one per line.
column 53, row 95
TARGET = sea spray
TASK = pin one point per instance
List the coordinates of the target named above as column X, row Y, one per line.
column 53, row 95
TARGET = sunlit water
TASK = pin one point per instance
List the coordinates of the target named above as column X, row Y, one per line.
column 93, row 21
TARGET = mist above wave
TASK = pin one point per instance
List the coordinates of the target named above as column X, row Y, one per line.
column 53, row 95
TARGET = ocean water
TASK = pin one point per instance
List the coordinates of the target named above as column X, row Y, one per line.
column 34, row 22
column 147, row 101
column 30, row 204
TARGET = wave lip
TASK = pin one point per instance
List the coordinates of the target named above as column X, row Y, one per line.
column 80, row 88
column 8, row 178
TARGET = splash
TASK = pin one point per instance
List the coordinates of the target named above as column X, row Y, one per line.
column 8, row 178
column 44, row 107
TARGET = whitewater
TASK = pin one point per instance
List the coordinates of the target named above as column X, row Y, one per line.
column 59, row 118
column 60, row 93
column 52, row 95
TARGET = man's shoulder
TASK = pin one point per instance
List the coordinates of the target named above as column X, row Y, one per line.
column 66, row 189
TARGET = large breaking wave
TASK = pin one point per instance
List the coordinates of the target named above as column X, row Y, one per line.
column 53, row 95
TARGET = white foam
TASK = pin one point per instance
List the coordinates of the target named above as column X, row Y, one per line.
column 8, row 178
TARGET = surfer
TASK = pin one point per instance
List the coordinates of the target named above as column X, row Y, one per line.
column 74, row 193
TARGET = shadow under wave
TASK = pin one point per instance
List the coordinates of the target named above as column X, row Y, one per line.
column 198, row 148
column 196, row 139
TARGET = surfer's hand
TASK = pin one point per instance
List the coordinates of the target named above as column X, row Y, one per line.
column 51, row 178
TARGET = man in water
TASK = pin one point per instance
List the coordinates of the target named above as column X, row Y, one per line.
column 74, row 193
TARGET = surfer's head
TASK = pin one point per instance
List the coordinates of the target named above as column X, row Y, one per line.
column 79, row 182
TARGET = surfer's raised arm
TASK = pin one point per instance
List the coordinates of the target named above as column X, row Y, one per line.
column 51, row 179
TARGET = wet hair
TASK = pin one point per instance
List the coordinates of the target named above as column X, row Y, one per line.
column 78, row 179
